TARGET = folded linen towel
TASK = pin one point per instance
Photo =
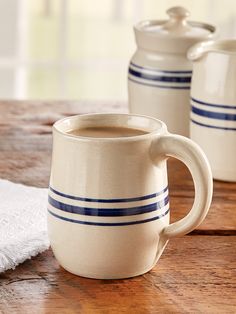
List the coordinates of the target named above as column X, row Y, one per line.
column 23, row 225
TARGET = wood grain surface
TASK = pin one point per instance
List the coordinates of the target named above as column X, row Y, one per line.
column 196, row 274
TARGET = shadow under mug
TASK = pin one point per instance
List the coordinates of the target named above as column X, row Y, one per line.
column 108, row 208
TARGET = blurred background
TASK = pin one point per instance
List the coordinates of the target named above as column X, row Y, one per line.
column 80, row 49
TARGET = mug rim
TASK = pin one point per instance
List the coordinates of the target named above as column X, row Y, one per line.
column 160, row 127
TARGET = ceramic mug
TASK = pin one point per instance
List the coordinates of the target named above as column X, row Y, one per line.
column 108, row 209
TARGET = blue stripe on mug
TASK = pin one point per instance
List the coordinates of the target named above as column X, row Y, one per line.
column 106, row 200
column 214, row 115
column 112, row 224
column 163, row 71
column 108, row 212
column 160, row 86
column 200, row 102
column 162, row 78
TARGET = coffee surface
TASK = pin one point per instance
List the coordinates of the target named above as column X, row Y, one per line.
column 106, row 132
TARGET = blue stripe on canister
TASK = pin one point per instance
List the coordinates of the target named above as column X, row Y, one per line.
column 160, row 86
column 160, row 78
column 161, row 71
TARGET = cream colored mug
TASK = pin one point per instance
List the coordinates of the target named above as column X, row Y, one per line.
column 108, row 208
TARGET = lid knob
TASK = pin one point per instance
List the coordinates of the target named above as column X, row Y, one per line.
column 177, row 23
column 179, row 13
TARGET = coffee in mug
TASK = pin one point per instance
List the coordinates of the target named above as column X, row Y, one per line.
column 106, row 132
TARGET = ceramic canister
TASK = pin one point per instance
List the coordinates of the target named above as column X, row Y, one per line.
column 213, row 100
column 159, row 75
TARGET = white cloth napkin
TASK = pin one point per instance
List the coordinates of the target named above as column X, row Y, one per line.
column 23, row 223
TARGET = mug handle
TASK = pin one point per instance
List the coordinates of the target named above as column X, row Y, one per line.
column 184, row 149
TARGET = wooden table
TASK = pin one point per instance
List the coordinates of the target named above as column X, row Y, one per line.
column 196, row 273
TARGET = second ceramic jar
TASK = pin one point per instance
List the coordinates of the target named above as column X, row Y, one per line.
column 159, row 75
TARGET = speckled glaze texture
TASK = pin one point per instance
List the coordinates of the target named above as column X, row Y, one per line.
column 108, row 206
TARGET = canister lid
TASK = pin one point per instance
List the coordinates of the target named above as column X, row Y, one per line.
column 176, row 27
